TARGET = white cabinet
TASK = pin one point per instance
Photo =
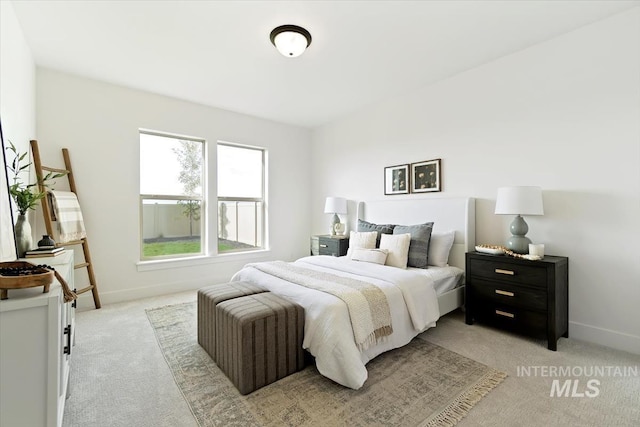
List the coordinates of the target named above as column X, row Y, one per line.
column 36, row 338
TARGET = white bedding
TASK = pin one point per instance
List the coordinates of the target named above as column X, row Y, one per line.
column 328, row 334
column 444, row 278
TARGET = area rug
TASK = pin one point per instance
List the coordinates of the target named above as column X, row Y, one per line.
column 420, row 384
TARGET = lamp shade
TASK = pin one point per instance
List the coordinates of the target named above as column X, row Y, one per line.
column 335, row 205
column 519, row 201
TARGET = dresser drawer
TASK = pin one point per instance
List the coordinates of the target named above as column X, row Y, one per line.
column 512, row 318
column 510, row 295
column 509, row 272
column 326, row 245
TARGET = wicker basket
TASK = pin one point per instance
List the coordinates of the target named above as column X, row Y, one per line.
column 30, row 277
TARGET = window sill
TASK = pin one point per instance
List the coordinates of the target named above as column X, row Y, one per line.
column 201, row 260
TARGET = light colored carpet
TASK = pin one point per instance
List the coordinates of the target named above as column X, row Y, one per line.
column 120, row 378
column 419, row 384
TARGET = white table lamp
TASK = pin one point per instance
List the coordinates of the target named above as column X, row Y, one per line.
column 335, row 205
column 519, row 201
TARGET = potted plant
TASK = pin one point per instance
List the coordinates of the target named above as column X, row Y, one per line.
column 26, row 197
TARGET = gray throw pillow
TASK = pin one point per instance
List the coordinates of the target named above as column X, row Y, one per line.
column 380, row 228
column 419, row 246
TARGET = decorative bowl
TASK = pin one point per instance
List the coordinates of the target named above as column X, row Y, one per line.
column 22, row 274
column 490, row 249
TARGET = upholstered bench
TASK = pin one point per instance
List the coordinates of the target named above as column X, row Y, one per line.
column 208, row 298
column 259, row 339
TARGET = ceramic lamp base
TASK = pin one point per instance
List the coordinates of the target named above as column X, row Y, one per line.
column 518, row 243
column 335, row 220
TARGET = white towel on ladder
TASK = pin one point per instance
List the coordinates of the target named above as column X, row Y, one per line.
column 68, row 216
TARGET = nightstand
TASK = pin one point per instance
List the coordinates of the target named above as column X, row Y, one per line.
column 525, row 296
column 329, row 245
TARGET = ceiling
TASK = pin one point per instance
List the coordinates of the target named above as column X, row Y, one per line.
column 218, row 53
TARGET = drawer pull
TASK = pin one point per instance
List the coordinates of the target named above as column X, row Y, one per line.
column 505, row 293
column 67, row 348
column 324, row 246
column 508, row 272
column 505, row 314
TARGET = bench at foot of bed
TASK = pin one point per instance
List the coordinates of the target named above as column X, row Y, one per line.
column 208, row 298
column 258, row 339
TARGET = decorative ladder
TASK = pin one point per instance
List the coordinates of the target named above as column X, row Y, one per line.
column 48, row 220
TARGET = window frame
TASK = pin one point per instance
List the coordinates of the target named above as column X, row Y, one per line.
column 262, row 199
column 202, row 199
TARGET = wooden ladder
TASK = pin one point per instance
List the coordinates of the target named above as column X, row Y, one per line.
column 48, row 219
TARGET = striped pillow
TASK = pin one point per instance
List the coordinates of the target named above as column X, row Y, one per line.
column 419, row 246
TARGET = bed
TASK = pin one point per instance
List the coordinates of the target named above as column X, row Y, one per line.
column 416, row 297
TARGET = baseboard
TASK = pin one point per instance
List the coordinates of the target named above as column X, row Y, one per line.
column 85, row 301
column 606, row 337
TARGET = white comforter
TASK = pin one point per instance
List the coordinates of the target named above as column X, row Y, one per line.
column 328, row 334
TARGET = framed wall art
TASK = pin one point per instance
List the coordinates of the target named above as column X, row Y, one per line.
column 396, row 179
column 425, row 176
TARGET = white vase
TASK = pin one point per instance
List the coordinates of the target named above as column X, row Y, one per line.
column 24, row 241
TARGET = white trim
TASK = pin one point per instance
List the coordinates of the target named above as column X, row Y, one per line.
column 201, row 260
column 85, row 302
column 171, row 135
column 607, row 337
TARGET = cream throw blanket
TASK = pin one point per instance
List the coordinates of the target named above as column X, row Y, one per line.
column 367, row 304
column 68, row 215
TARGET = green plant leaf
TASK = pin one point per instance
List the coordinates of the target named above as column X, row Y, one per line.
column 26, row 196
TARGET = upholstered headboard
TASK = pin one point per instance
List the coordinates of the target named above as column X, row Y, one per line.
column 457, row 214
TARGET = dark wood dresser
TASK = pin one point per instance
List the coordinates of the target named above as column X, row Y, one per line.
column 329, row 245
column 531, row 297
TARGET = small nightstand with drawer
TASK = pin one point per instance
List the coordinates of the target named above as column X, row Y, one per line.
column 329, row 245
column 525, row 296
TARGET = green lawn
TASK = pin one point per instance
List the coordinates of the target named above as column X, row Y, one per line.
column 178, row 247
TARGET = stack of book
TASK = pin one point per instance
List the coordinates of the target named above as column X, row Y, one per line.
column 44, row 252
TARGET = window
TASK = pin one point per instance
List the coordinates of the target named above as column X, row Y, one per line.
column 171, row 196
column 241, row 200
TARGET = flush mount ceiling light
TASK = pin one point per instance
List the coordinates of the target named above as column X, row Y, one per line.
column 290, row 40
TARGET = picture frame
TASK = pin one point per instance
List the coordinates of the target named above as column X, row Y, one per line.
column 426, row 176
column 396, row 179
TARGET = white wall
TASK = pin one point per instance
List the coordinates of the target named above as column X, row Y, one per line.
column 98, row 122
column 17, row 81
column 17, row 99
column 564, row 115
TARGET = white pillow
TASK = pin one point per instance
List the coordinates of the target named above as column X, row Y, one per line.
column 376, row 256
column 361, row 239
column 439, row 248
column 398, row 247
